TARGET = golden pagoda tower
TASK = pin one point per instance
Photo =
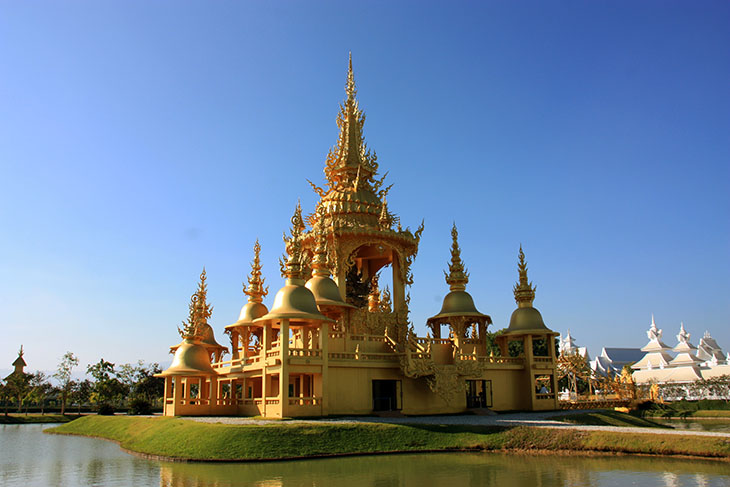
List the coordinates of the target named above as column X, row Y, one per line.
column 252, row 310
column 358, row 225
column 458, row 309
column 294, row 311
column 202, row 312
column 526, row 326
column 190, row 381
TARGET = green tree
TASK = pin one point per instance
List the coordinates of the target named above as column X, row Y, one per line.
column 107, row 389
column 63, row 376
column 81, row 393
column 17, row 387
column 38, row 391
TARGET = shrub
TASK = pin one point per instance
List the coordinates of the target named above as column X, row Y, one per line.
column 105, row 409
column 139, row 405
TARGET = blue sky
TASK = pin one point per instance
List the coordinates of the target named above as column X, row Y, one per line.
column 140, row 141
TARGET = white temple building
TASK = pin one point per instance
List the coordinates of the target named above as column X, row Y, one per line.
column 612, row 360
column 689, row 363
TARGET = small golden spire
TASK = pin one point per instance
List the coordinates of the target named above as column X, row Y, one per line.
column 20, row 352
column 524, row 290
column 319, row 262
column 292, row 269
column 385, row 220
column 255, row 289
column 385, row 300
column 199, row 312
column 457, row 278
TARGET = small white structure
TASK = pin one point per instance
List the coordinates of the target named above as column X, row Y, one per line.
column 568, row 347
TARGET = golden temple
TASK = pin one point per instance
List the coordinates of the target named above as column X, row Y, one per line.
column 334, row 343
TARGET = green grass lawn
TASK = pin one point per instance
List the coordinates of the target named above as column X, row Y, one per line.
column 185, row 439
column 36, row 418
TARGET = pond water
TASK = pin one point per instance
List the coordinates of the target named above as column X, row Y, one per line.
column 30, row 458
column 694, row 424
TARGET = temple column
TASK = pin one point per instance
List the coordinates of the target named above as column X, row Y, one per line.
column 324, row 346
column 399, row 289
column 234, row 345
column 284, row 368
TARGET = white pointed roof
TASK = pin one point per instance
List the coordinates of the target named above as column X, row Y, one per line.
column 655, row 339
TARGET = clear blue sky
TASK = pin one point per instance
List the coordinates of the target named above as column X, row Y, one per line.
column 140, row 141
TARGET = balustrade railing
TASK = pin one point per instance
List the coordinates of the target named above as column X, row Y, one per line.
column 305, row 352
column 305, row 401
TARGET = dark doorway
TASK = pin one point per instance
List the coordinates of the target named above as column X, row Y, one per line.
column 386, row 395
column 479, row 393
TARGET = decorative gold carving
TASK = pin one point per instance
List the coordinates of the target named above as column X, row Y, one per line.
column 524, row 290
column 457, row 277
column 199, row 312
column 255, row 289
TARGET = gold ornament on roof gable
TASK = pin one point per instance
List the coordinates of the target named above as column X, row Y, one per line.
column 524, row 290
column 199, row 312
column 291, row 262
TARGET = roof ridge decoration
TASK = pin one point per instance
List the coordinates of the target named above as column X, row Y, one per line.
column 457, row 277
column 654, row 333
column 524, row 290
column 683, row 336
column 255, row 289
column 199, row 312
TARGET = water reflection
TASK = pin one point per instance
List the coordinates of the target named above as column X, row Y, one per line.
column 463, row 469
column 30, row 458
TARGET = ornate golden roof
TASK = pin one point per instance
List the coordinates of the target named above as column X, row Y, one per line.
column 354, row 198
column 294, row 301
column 325, row 290
column 191, row 359
column 458, row 302
column 525, row 319
column 254, row 308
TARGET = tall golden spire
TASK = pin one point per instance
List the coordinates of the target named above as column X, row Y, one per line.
column 255, row 289
column 524, row 290
column 457, row 278
column 350, row 161
column 199, row 312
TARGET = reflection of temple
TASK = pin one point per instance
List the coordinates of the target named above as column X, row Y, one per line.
column 334, row 343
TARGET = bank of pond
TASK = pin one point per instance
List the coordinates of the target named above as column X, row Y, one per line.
column 189, row 440
column 31, row 458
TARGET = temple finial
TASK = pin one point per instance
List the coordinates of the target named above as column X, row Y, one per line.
column 457, row 278
column 20, row 352
column 350, row 86
column 319, row 262
column 524, row 290
column 255, row 289
column 199, row 312
column 292, row 268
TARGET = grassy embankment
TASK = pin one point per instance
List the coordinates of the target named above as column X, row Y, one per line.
column 189, row 440
column 608, row 418
column 36, row 418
